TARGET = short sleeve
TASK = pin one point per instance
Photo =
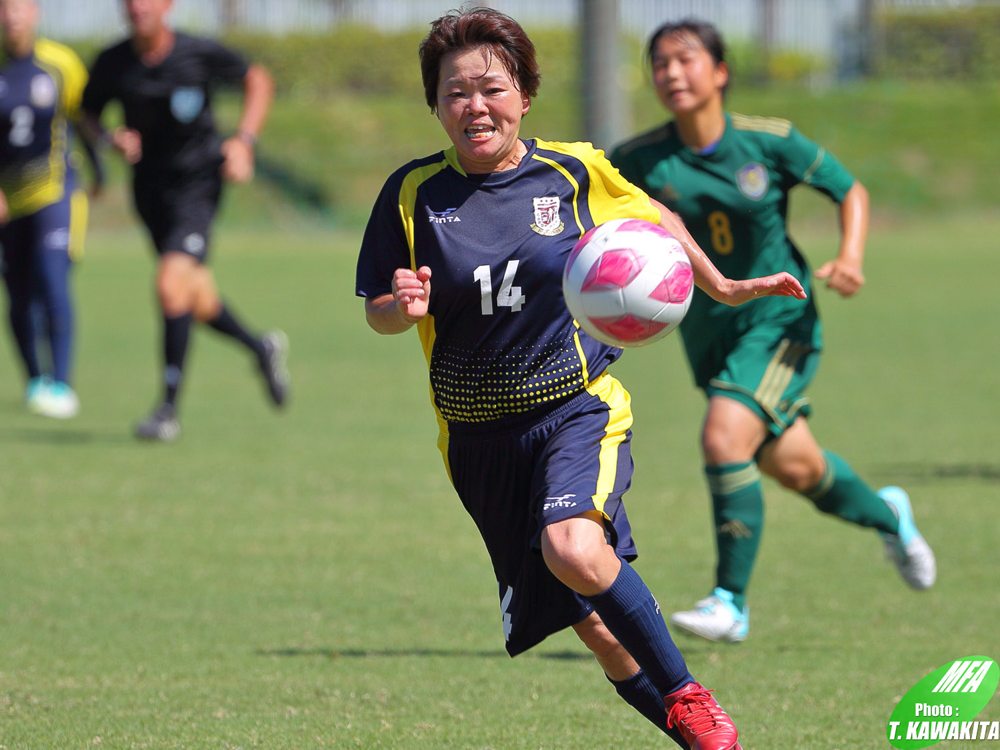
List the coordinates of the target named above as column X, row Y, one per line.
column 611, row 196
column 224, row 65
column 99, row 89
column 384, row 247
column 806, row 162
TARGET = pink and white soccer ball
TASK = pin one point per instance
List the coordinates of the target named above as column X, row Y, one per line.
column 628, row 282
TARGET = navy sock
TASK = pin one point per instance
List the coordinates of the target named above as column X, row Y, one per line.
column 640, row 693
column 23, row 326
column 630, row 612
column 228, row 325
column 176, row 332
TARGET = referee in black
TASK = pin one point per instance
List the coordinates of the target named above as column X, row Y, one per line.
column 164, row 80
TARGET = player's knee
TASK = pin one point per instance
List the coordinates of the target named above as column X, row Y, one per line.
column 173, row 288
column 798, row 475
column 720, row 445
column 572, row 558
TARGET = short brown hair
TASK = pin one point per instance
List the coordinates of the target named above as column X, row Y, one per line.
column 479, row 27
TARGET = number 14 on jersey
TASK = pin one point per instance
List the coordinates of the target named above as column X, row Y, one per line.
column 508, row 296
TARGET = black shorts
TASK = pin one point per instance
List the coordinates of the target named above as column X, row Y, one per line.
column 179, row 214
column 516, row 480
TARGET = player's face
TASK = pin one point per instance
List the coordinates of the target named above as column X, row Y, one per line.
column 18, row 19
column 481, row 110
column 146, row 17
column 686, row 75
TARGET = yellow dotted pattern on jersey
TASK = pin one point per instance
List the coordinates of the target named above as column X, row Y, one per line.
column 484, row 386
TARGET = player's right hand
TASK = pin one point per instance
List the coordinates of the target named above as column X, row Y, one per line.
column 4, row 210
column 128, row 142
column 412, row 292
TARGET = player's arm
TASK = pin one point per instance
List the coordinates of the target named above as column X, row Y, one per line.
column 711, row 281
column 399, row 310
column 843, row 273
column 238, row 151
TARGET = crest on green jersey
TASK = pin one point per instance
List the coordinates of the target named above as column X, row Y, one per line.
column 753, row 180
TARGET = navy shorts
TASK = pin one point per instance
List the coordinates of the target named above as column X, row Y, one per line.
column 179, row 217
column 517, row 479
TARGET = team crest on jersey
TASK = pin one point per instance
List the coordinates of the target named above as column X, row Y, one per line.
column 43, row 91
column 753, row 181
column 186, row 103
column 547, row 221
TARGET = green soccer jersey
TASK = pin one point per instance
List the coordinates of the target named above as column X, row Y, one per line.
column 734, row 201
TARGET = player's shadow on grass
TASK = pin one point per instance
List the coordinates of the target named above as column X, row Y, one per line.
column 366, row 653
column 62, row 437
column 926, row 472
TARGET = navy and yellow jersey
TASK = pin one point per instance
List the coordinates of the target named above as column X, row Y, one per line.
column 734, row 201
column 498, row 338
column 169, row 104
column 39, row 102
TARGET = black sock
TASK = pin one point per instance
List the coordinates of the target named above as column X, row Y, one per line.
column 176, row 332
column 640, row 693
column 226, row 324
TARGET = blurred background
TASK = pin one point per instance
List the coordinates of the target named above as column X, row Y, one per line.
column 309, row 579
column 916, row 78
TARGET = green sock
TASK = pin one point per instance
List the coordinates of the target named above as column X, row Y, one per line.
column 844, row 494
column 738, row 507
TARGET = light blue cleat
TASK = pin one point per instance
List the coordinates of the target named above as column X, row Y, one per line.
column 907, row 548
column 715, row 618
column 34, row 395
column 58, row 401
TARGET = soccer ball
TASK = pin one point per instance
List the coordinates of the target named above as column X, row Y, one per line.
column 628, row 282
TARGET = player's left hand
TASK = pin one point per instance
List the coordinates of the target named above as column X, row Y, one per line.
column 779, row 285
column 238, row 164
column 842, row 276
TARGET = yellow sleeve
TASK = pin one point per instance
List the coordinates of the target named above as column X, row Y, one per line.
column 72, row 70
column 609, row 195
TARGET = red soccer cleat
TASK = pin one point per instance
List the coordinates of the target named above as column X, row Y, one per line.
column 700, row 719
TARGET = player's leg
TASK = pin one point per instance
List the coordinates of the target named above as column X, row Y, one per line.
column 731, row 434
column 629, row 681
column 585, row 538
column 798, row 463
column 19, row 278
column 53, row 265
column 270, row 348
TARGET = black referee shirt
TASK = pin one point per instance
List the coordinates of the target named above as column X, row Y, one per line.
column 168, row 104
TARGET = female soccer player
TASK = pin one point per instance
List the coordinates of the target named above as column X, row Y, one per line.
column 164, row 80
column 728, row 177
column 43, row 215
column 469, row 245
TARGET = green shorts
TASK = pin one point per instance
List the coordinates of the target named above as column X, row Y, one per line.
column 768, row 370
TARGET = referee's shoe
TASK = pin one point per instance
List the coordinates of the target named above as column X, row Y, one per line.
column 274, row 365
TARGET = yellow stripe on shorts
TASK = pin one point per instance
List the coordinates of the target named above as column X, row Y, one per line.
column 613, row 393
column 779, row 373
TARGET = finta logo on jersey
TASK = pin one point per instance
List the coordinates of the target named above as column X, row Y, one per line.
column 563, row 501
column 944, row 705
column 547, row 221
column 442, row 217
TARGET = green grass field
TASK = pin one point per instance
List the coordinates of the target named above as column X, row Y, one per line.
column 309, row 579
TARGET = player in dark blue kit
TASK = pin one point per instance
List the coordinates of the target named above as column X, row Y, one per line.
column 43, row 215
column 469, row 245
column 164, row 80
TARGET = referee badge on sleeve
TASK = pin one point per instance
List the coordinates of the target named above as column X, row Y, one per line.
column 186, row 103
